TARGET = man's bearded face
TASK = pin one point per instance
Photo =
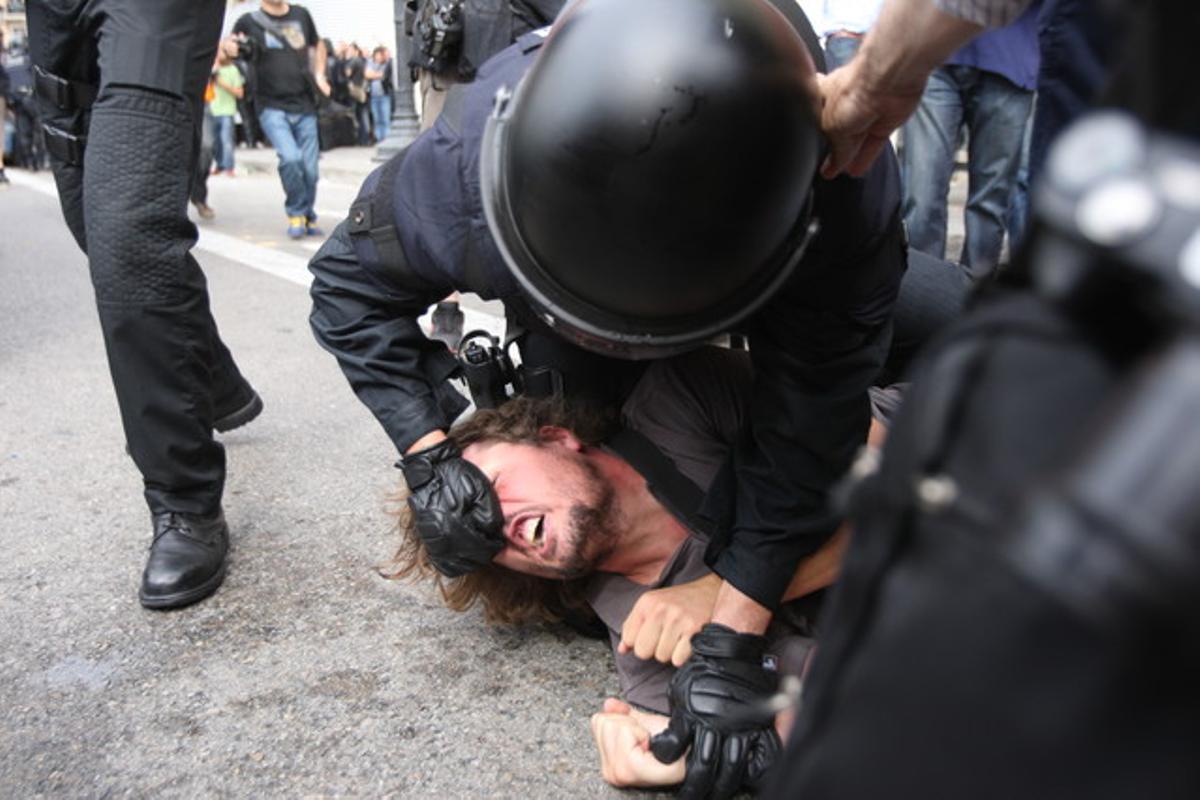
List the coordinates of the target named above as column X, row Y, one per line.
column 559, row 512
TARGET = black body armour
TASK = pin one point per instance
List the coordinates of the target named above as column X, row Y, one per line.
column 1016, row 616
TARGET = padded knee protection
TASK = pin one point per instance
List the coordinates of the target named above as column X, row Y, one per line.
column 137, row 170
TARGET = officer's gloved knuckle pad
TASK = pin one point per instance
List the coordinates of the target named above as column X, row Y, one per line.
column 710, row 697
column 708, row 692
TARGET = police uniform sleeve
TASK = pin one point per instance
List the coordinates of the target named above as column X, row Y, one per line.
column 370, row 325
column 817, row 347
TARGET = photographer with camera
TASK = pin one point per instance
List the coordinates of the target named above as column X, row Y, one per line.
column 289, row 60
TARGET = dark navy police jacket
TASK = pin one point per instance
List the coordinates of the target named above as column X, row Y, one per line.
column 816, row 346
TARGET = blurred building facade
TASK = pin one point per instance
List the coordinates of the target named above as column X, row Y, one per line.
column 12, row 22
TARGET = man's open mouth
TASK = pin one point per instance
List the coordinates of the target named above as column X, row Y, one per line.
column 532, row 530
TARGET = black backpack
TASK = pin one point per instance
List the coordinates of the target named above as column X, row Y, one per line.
column 1019, row 611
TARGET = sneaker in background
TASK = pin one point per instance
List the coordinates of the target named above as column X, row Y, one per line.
column 297, row 226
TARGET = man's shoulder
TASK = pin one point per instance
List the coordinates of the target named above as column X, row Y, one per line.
column 245, row 23
column 300, row 14
column 294, row 13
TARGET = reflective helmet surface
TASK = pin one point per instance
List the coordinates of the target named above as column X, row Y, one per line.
column 648, row 181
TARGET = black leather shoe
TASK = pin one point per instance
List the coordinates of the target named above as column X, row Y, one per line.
column 187, row 560
column 238, row 410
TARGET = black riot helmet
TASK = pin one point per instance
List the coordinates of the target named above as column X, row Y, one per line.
column 648, row 182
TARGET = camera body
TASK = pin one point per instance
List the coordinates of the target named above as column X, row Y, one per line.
column 489, row 372
column 438, row 31
column 247, row 49
column 1117, row 230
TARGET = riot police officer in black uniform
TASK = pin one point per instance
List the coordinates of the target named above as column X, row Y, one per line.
column 631, row 184
column 1017, row 611
column 121, row 89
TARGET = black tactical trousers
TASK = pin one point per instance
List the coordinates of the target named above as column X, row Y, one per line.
column 132, row 114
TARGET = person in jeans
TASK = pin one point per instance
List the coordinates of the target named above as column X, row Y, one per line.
column 290, row 59
column 228, row 88
column 379, row 77
column 987, row 87
column 844, row 23
column 198, row 193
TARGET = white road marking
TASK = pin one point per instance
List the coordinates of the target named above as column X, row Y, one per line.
column 291, row 268
column 41, row 182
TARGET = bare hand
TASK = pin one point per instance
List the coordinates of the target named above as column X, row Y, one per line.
column 622, row 733
column 858, row 119
column 323, row 85
column 662, row 622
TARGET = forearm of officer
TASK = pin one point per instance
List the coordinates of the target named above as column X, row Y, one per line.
column 740, row 611
column 809, row 415
column 371, row 327
column 821, row 569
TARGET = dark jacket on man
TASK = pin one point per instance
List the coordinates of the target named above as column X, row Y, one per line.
column 817, row 345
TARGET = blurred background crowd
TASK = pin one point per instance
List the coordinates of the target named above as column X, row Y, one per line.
column 971, row 130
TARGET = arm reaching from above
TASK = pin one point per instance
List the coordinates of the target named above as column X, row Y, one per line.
column 869, row 98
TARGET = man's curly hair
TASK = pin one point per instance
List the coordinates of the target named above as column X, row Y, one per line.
column 506, row 596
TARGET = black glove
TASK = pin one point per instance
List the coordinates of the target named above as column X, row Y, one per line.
column 455, row 510
column 713, row 707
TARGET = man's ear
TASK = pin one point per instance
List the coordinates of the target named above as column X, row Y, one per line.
column 559, row 437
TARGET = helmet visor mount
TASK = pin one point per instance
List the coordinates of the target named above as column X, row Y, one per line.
column 649, row 187
column 587, row 324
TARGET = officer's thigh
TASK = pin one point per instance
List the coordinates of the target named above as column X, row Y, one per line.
column 163, row 45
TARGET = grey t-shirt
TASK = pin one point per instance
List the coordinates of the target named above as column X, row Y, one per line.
column 692, row 407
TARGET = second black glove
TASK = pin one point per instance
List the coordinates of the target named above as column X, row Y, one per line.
column 713, row 708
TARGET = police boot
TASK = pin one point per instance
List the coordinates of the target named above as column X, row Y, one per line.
column 187, row 559
column 237, row 409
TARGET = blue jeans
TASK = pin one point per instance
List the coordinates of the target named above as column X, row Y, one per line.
column 294, row 137
column 1018, row 206
column 995, row 112
column 840, row 49
column 381, row 114
column 223, row 144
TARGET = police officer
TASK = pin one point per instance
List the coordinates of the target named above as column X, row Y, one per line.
column 120, row 84
column 632, row 184
column 450, row 39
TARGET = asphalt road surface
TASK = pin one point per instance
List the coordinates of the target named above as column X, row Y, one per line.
column 306, row 674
